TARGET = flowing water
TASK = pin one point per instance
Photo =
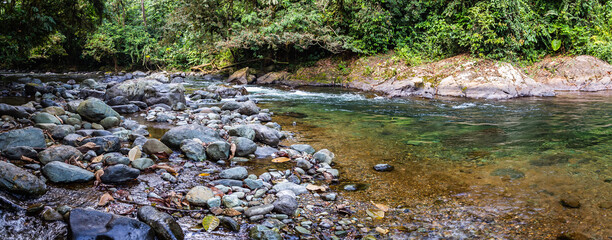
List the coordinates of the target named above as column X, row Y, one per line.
column 463, row 168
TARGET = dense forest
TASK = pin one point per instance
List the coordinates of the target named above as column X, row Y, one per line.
column 179, row 34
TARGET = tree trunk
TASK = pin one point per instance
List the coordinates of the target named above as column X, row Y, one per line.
column 144, row 15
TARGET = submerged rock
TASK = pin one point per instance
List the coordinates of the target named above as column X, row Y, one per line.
column 260, row 232
column 91, row 224
column 510, row 172
column 383, row 167
column 16, row 180
column 164, row 225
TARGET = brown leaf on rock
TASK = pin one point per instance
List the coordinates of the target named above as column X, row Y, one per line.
column 232, row 151
column 87, row 146
column 312, row 187
column 97, row 159
column 382, row 230
column 231, row 212
column 216, row 211
column 134, row 153
column 27, row 159
column 98, row 174
column 162, row 155
column 105, row 199
column 167, row 168
column 281, row 160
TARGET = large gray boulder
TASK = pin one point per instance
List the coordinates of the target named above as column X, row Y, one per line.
column 16, row 180
column 218, row 150
column 95, row 110
column 60, row 172
column 150, row 91
column 31, row 137
column 15, row 111
column 176, row 135
column 266, row 135
column 43, row 117
column 92, row 224
column 242, row 77
column 119, row 174
column 244, row 146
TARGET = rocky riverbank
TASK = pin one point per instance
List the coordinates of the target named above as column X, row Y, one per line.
column 74, row 165
column 461, row 76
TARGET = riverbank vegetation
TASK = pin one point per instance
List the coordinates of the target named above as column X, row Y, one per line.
column 268, row 34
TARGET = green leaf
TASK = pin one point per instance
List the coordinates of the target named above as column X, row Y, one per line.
column 555, row 44
column 210, row 223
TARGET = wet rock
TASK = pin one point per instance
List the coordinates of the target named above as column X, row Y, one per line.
column 509, row 172
column 153, row 146
column 383, row 167
column 266, row 135
column 264, row 117
column 265, row 152
column 286, row 205
column 168, row 177
column 15, row 153
column 57, row 111
column 248, row 108
column 176, row 135
column 92, row 224
column 573, row 236
column 31, row 137
column 72, row 139
column 60, row 153
column 51, row 215
column 170, row 94
column 105, row 143
column 227, row 182
column 95, row 110
column 62, row 131
column 142, row 163
column 272, row 77
column 241, row 77
column 230, row 201
column 89, row 83
column 606, row 205
column 237, row 173
column 110, row 122
column 15, row 111
column 303, row 164
column 16, row 180
column 323, row 157
column 118, row 100
column 295, row 188
column 253, row 184
column 119, row 174
column 229, row 223
column 330, row 197
column 60, row 172
column 244, row 146
column 193, row 150
column 303, row 148
column 242, row 131
column 259, row 210
column 199, row 195
column 126, row 108
column 214, row 202
column 44, row 117
column 231, row 105
column 115, row 158
column 570, row 202
column 219, row 150
column 164, row 225
column 260, row 232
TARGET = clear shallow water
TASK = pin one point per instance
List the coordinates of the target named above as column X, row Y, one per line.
column 455, row 159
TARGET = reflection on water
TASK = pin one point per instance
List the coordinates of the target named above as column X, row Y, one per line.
column 511, row 160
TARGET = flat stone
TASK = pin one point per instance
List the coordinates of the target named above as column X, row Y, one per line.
column 259, row 210
column 31, row 137
column 92, row 224
column 164, row 225
column 16, row 180
column 60, row 172
column 237, row 173
column 199, row 195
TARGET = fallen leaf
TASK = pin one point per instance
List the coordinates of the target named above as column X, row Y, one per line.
column 232, row 150
column 167, row 168
column 231, row 212
column 216, row 210
column 105, row 199
column 382, row 207
column 376, row 214
column 98, row 174
column 97, row 159
column 312, row 187
column 24, row 158
column 162, row 155
column 382, row 230
column 134, row 153
column 204, row 174
column 281, row 160
column 210, row 223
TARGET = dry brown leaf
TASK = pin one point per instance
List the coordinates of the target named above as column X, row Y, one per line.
column 281, row 160
column 232, row 150
column 312, row 187
column 382, row 207
column 216, row 210
column 382, row 230
column 89, row 145
column 97, row 159
column 98, row 174
column 376, row 214
column 167, row 168
column 204, row 174
column 231, row 212
column 134, row 153
column 105, row 199
column 24, row 158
